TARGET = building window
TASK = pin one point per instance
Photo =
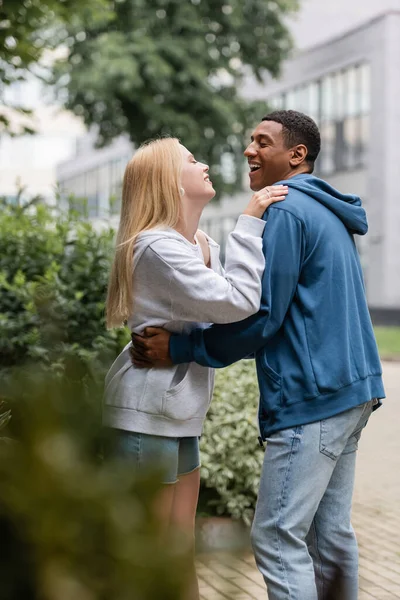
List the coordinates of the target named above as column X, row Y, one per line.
column 96, row 192
column 340, row 104
column 314, row 92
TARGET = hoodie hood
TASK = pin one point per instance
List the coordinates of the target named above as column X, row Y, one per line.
column 347, row 207
column 146, row 238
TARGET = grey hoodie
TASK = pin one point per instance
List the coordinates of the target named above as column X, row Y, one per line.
column 174, row 289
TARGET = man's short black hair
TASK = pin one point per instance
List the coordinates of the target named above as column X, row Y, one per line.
column 298, row 128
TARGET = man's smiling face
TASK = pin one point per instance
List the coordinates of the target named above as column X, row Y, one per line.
column 267, row 155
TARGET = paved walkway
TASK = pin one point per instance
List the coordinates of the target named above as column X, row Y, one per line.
column 376, row 517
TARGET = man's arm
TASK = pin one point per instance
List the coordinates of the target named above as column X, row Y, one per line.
column 221, row 345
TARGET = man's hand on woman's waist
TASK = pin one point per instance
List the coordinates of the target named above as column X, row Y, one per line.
column 151, row 349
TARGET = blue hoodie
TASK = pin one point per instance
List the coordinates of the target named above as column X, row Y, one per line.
column 313, row 340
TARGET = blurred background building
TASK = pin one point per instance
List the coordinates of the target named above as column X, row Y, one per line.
column 96, row 174
column 30, row 160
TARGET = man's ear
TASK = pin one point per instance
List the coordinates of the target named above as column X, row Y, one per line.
column 298, row 155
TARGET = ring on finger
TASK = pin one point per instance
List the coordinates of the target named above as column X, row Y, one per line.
column 269, row 193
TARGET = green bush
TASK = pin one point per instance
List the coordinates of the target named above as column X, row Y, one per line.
column 53, row 278
column 230, row 453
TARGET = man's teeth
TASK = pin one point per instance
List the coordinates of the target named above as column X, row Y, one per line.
column 254, row 167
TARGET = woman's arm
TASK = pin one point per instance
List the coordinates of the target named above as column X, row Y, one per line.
column 196, row 293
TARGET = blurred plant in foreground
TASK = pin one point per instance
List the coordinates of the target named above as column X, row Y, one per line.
column 73, row 526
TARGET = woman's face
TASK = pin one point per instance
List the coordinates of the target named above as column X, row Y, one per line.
column 194, row 178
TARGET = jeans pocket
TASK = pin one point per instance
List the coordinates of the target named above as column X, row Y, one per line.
column 335, row 433
column 352, row 444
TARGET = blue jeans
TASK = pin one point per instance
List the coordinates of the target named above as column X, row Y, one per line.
column 302, row 536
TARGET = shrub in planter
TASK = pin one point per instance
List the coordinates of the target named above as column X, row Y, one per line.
column 231, row 455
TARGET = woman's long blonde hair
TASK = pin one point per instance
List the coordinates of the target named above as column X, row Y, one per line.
column 150, row 198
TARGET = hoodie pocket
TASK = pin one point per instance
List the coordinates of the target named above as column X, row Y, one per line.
column 152, row 397
column 130, row 388
column 190, row 397
column 270, row 384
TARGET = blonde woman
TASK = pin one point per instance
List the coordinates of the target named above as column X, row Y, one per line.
column 166, row 273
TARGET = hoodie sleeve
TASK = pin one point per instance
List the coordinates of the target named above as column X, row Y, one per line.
column 199, row 294
column 220, row 345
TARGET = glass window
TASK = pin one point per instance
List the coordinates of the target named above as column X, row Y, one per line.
column 91, row 182
column 340, row 95
column 364, row 136
column 326, row 162
column 328, row 99
column 280, row 102
column 78, row 186
column 351, row 141
column 340, row 148
column 92, row 205
column 302, row 99
column 103, row 189
column 365, row 89
column 314, row 101
column 353, row 92
column 344, row 97
column 275, row 103
column 291, row 101
column 117, row 168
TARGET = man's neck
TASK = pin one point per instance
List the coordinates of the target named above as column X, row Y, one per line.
column 293, row 172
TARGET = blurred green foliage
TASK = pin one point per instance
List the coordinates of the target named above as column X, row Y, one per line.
column 73, row 526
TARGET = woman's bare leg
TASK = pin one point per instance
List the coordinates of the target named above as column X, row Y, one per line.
column 163, row 506
column 183, row 514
